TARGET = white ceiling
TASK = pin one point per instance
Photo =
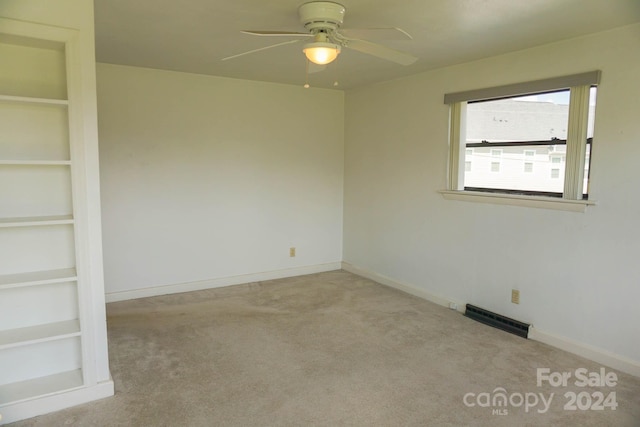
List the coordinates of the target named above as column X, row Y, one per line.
column 193, row 35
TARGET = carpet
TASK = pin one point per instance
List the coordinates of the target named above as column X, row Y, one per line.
column 335, row 349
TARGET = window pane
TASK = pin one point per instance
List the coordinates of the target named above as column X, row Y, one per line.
column 523, row 166
column 587, row 166
column 590, row 124
column 526, row 118
column 592, row 111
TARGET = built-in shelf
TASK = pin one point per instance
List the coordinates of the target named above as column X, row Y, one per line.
column 40, row 333
column 35, row 162
column 38, row 387
column 45, row 355
column 38, row 278
column 36, row 221
column 30, row 100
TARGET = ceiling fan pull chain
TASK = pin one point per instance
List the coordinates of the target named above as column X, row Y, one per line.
column 306, row 74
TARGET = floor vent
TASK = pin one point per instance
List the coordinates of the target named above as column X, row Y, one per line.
column 497, row 321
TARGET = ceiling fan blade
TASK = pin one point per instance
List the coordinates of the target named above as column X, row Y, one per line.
column 260, row 49
column 375, row 33
column 276, row 33
column 382, row 52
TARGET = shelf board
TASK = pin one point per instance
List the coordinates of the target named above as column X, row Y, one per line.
column 40, row 333
column 37, row 387
column 36, row 221
column 30, row 100
column 38, row 278
column 35, row 162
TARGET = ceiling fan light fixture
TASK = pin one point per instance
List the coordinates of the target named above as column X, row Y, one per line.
column 321, row 53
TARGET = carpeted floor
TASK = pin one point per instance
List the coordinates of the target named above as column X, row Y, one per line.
column 330, row 349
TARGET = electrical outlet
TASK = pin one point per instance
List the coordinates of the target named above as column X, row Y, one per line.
column 515, row 296
column 292, row 252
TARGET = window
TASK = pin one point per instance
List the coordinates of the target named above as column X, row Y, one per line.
column 538, row 135
column 467, row 159
column 529, row 158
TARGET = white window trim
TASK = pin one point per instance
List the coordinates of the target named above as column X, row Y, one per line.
column 518, row 200
column 576, row 143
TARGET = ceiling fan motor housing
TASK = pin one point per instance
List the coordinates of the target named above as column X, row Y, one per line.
column 321, row 15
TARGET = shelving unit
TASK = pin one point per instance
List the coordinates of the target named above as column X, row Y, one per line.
column 43, row 386
column 48, row 314
column 32, row 100
column 38, row 278
column 36, row 221
column 38, row 334
column 35, row 163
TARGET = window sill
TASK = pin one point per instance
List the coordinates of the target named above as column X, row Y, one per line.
column 518, row 200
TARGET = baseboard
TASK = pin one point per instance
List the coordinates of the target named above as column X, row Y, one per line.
column 405, row 287
column 55, row 402
column 595, row 354
column 220, row 282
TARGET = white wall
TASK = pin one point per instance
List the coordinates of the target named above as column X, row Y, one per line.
column 577, row 272
column 206, row 177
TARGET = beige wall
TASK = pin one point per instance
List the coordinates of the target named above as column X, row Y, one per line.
column 206, row 177
column 576, row 272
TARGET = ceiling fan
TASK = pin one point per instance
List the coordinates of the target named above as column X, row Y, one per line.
column 322, row 20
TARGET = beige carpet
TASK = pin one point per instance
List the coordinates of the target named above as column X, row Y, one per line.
column 330, row 349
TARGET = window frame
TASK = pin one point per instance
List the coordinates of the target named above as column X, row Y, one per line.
column 579, row 86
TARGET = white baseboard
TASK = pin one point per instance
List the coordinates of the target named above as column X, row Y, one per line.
column 405, row 287
column 55, row 402
column 595, row 354
column 598, row 355
column 220, row 282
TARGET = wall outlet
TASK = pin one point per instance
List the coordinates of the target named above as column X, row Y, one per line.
column 515, row 296
column 292, row 252
column 453, row 306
